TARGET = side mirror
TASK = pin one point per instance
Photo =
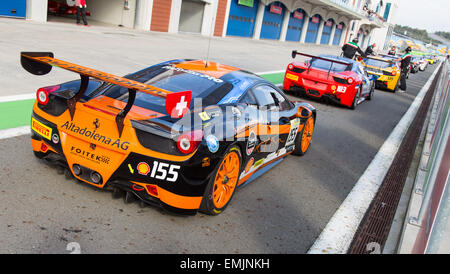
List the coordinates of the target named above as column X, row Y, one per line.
column 294, row 53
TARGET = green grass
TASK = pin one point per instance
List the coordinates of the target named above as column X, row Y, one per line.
column 275, row 78
column 15, row 113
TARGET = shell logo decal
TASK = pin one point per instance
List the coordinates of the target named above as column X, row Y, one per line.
column 143, row 168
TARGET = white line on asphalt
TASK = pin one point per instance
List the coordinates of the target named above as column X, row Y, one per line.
column 338, row 234
column 270, row 72
column 14, row 132
column 19, row 97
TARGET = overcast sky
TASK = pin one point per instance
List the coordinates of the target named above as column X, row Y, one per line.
column 432, row 15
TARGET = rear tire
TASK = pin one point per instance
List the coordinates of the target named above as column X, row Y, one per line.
column 222, row 185
column 355, row 99
column 39, row 154
column 372, row 90
column 396, row 85
column 303, row 139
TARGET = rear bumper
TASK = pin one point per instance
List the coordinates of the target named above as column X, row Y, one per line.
column 386, row 81
column 324, row 91
column 182, row 196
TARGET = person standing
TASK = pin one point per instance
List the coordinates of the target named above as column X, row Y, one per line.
column 404, row 66
column 350, row 48
column 81, row 9
column 393, row 51
column 369, row 49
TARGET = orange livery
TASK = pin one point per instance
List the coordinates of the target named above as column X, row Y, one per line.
column 183, row 135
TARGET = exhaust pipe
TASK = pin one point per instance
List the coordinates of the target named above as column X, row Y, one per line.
column 96, row 178
column 76, row 170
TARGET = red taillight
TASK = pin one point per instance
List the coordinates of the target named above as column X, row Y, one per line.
column 152, row 189
column 42, row 94
column 44, row 147
column 350, row 80
column 188, row 142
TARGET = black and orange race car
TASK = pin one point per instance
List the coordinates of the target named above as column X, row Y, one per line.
column 182, row 134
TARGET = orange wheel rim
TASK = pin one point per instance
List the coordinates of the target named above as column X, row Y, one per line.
column 307, row 134
column 226, row 180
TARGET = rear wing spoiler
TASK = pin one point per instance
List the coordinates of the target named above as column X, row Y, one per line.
column 41, row 63
column 295, row 53
column 381, row 59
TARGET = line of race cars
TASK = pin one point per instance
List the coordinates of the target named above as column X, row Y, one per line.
column 346, row 81
column 185, row 134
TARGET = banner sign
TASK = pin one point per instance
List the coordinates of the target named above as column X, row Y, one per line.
column 298, row 15
column 315, row 19
column 276, row 9
column 247, row 3
column 329, row 23
column 340, row 26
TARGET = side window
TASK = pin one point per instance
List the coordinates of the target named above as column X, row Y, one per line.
column 270, row 98
column 249, row 99
column 264, row 97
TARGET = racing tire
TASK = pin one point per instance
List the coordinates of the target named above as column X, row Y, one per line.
column 303, row 138
column 372, row 91
column 355, row 99
column 38, row 154
column 396, row 85
column 222, row 185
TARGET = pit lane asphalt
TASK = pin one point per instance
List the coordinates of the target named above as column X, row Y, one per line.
column 281, row 212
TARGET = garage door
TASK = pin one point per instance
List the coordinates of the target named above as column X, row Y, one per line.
column 338, row 34
column 313, row 28
column 13, row 8
column 272, row 21
column 326, row 34
column 241, row 20
column 191, row 16
column 295, row 25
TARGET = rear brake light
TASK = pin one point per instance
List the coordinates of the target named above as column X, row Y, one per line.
column 188, row 142
column 152, row 189
column 350, row 80
column 42, row 94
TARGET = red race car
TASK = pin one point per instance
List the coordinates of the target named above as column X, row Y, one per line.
column 336, row 79
column 63, row 8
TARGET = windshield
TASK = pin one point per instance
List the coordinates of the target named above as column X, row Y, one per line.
column 377, row 63
column 168, row 78
column 326, row 65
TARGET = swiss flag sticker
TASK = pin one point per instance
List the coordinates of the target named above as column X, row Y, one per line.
column 177, row 103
